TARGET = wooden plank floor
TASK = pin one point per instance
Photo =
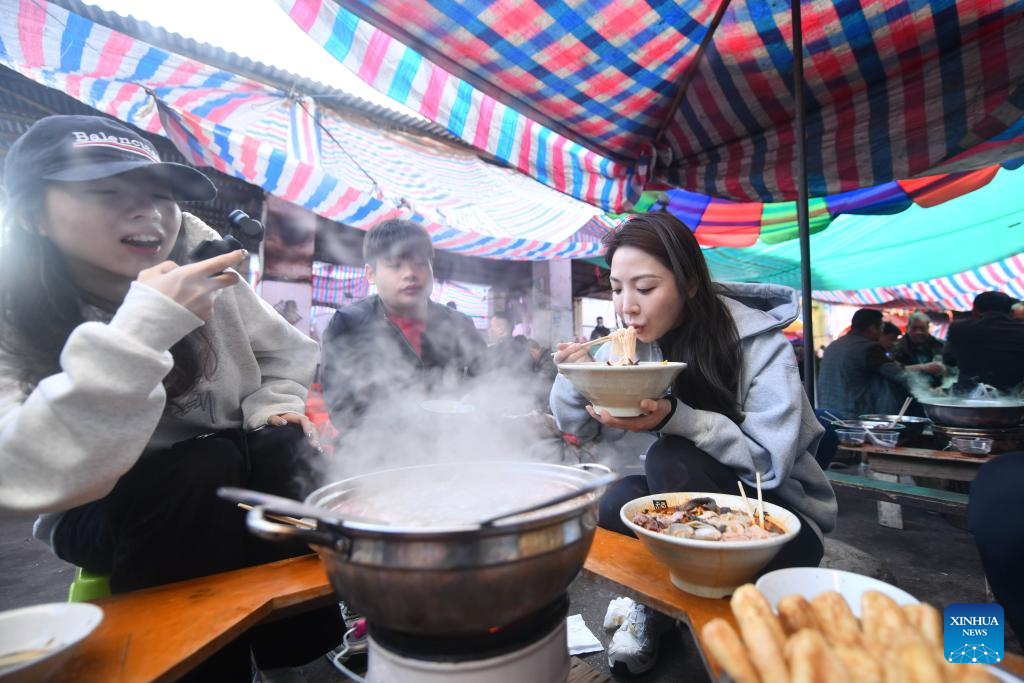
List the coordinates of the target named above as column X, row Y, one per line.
column 581, row 672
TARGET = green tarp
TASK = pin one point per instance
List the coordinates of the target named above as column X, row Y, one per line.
column 861, row 252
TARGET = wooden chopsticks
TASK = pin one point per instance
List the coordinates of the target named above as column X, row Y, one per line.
column 294, row 521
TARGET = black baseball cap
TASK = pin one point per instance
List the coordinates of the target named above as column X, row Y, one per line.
column 79, row 148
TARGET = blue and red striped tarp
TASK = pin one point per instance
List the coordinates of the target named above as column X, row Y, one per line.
column 356, row 175
column 574, row 94
column 955, row 292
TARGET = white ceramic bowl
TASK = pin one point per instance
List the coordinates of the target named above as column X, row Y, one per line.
column 710, row 569
column 618, row 389
column 811, row 581
column 58, row 627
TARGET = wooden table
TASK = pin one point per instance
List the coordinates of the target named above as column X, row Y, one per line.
column 159, row 634
column 888, row 464
column 921, row 462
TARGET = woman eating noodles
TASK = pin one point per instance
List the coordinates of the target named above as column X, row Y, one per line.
column 737, row 410
column 133, row 384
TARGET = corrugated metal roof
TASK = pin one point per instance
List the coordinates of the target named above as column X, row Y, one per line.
column 272, row 76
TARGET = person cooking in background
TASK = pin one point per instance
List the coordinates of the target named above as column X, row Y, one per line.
column 132, row 385
column 737, row 409
column 918, row 346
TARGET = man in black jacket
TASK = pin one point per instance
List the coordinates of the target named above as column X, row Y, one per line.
column 397, row 339
column 989, row 347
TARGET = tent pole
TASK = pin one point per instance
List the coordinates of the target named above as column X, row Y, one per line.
column 802, row 214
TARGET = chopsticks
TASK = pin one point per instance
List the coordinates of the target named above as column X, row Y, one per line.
column 831, row 416
column 592, row 343
column 760, row 501
column 906, row 404
column 294, row 521
column 24, row 656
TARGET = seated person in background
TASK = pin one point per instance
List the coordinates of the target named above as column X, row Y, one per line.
column 988, row 348
column 397, row 338
column 1017, row 311
column 542, row 370
column 737, row 409
column 599, row 329
column 890, row 334
column 132, row 387
column 857, row 377
column 507, row 354
column 918, row 346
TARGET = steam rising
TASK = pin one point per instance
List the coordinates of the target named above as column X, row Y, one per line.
column 485, row 419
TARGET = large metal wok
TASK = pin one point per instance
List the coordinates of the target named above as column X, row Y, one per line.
column 405, row 548
column 977, row 413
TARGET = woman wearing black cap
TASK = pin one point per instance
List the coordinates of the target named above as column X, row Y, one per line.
column 133, row 385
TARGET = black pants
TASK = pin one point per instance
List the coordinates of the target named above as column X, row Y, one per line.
column 163, row 522
column 996, row 517
column 675, row 464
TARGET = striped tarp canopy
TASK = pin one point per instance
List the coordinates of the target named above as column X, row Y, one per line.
column 955, row 292
column 339, row 168
column 725, row 223
column 581, row 95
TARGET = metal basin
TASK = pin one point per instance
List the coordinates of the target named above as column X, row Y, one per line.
column 401, row 547
column 975, row 413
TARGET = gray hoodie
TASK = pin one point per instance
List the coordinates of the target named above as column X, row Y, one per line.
column 779, row 433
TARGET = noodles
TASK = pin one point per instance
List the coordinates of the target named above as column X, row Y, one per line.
column 624, row 346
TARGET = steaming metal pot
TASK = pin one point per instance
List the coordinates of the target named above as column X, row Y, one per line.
column 453, row 576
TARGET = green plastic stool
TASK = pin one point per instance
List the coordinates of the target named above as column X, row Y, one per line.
column 88, row 586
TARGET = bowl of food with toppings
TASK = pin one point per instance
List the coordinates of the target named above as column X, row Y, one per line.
column 712, row 543
column 617, row 386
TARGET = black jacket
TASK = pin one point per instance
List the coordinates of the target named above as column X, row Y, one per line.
column 988, row 349
column 366, row 356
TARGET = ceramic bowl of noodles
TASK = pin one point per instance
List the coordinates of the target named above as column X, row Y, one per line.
column 618, row 389
column 712, row 543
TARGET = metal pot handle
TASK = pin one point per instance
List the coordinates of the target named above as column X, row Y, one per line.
column 277, row 531
column 324, row 534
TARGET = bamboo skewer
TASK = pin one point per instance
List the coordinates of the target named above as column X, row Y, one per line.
column 760, row 501
column 746, row 501
column 294, row 521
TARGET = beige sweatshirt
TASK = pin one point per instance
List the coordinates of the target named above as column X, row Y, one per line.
column 70, row 440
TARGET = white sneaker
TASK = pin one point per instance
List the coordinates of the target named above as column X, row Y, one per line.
column 635, row 644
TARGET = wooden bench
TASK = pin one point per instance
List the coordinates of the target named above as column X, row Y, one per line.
column 159, row 634
column 936, row 500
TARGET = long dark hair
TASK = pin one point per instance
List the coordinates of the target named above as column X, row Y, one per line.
column 707, row 340
column 40, row 304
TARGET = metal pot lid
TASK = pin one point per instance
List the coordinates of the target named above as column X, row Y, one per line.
column 451, row 497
